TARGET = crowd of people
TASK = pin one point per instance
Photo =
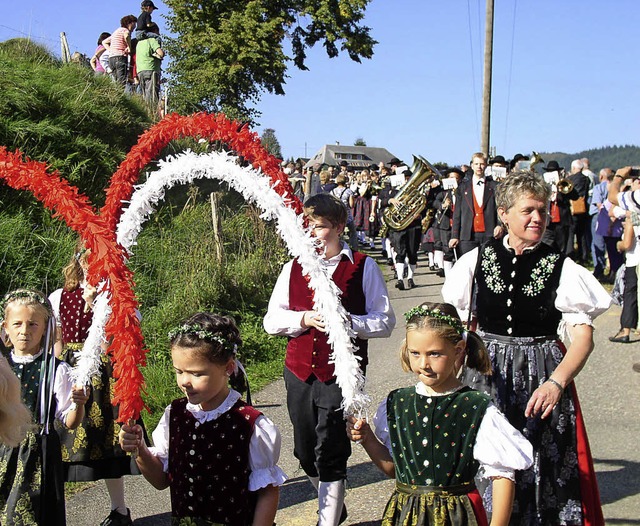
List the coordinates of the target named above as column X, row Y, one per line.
column 492, row 430
column 132, row 55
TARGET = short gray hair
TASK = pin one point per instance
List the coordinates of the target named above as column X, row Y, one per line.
column 519, row 184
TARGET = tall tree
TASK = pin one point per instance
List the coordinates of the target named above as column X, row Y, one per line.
column 226, row 53
column 359, row 142
column 270, row 142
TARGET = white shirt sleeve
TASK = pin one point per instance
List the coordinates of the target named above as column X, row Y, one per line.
column 500, row 448
column 580, row 297
column 160, row 438
column 379, row 320
column 62, row 388
column 381, row 426
column 280, row 320
column 457, row 287
column 54, row 298
column 264, row 453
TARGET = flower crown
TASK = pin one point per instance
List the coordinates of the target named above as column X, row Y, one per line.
column 425, row 312
column 31, row 295
column 202, row 334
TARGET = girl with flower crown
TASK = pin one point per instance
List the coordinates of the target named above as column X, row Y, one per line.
column 435, row 436
column 217, row 453
column 31, row 483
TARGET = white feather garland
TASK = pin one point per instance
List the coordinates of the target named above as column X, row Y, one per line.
column 255, row 188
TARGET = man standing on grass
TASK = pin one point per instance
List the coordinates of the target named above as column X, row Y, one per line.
column 149, row 57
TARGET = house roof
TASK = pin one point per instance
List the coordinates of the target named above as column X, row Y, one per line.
column 356, row 156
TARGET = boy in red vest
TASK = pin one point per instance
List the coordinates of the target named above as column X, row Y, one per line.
column 313, row 397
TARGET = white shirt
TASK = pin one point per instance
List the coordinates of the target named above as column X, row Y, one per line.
column 62, row 385
column 264, row 445
column 630, row 200
column 580, row 297
column 378, row 322
column 500, row 448
column 478, row 189
column 632, row 256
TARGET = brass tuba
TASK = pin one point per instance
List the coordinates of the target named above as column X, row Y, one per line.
column 411, row 197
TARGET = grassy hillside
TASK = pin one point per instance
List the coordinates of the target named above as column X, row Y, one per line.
column 606, row 157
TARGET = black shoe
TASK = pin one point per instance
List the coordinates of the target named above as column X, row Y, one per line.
column 384, row 254
column 411, row 283
column 117, row 519
column 390, row 262
column 636, row 367
column 433, row 268
column 343, row 514
column 400, row 284
column 440, row 273
column 618, row 338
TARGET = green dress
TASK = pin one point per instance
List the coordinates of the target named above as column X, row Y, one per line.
column 31, row 481
column 432, row 441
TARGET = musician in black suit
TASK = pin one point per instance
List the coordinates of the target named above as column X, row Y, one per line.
column 475, row 217
column 444, row 206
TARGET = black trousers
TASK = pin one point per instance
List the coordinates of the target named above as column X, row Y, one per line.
column 406, row 243
column 477, row 239
column 629, row 315
column 319, row 430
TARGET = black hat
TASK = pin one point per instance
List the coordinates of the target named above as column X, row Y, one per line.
column 455, row 170
column 517, row 157
column 148, row 3
column 373, row 167
column 498, row 159
column 344, row 163
column 552, row 166
column 395, row 160
column 407, row 173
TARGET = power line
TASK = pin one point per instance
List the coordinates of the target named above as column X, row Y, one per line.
column 513, row 37
column 473, row 71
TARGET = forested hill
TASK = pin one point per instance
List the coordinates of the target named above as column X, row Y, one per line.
column 606, row 157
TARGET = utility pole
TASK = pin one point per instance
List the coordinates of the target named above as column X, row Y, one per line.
column 486, row 93
column 64, row 48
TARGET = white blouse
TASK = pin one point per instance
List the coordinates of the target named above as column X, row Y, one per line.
column 500, row 448
column 580, row 297
column 264, row 445
column 62, row 385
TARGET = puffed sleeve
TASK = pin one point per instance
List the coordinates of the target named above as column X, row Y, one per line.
column 62, row 388
column 264, row 453
column 381, row 425
column 580, row 297
column 500, row 448
column 280, row 320
column 457, row 287
column 160, row 437
column 54, row 298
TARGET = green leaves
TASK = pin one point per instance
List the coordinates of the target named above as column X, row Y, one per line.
column 228, row 52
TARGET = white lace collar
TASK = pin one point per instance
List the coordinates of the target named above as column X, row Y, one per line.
column 27, row 358
column 206, row 416
column 421, row 389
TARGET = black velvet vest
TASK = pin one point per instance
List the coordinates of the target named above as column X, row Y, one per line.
column 516, row 294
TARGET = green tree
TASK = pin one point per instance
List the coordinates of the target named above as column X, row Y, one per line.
column 270, row 142
column 227, row 52
column 359, row 142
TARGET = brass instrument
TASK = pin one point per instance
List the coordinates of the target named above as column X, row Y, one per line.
column 411, row 198
column 535, row 159
column 564, row 186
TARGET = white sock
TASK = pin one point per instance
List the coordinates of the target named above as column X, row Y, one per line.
column 438, row 258
column 315, row 481
column 431, row 258
column 412, row 269
column 400, row 270
column 115, row 487
column 330, row 500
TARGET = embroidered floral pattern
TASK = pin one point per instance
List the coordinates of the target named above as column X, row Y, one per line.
column 491, row 269
column 540, row 275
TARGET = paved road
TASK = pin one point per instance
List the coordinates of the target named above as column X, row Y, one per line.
column 609, row 393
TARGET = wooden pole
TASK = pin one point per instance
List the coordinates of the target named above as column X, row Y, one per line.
column 215, row 219
column 486, row 93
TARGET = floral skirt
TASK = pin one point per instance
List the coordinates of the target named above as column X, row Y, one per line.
column 92, row 450
column 560, row 488
column 31, row 484
column 434, row 506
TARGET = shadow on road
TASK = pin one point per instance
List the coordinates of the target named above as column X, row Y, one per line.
column 162, row 519
column 617, row 479
column 298, row 490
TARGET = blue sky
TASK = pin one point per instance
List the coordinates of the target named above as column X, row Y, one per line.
column 565, row 75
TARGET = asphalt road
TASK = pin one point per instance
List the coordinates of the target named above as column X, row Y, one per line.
column 607, row 387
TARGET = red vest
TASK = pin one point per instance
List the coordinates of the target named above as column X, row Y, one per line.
column 75, row 323
column 308, row 354
column 478, row 215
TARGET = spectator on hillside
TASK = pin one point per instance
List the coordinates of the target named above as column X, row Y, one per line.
column 97, row 60
column 119, row 47
column 144, row 25
column 149, row 56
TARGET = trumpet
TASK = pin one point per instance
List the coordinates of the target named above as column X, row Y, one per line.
column 564, row 186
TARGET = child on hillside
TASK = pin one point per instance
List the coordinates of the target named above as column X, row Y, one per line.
column 313, row 397
column 91, row 451
column 31, row 483
column 144, row 21
column 433, row 437
column 218, row 454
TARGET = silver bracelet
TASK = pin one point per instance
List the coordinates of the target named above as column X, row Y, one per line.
column 556, row 384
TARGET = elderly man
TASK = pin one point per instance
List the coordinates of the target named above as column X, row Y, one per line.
column 581, row 228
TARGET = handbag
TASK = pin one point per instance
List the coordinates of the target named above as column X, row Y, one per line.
column 578, row 206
